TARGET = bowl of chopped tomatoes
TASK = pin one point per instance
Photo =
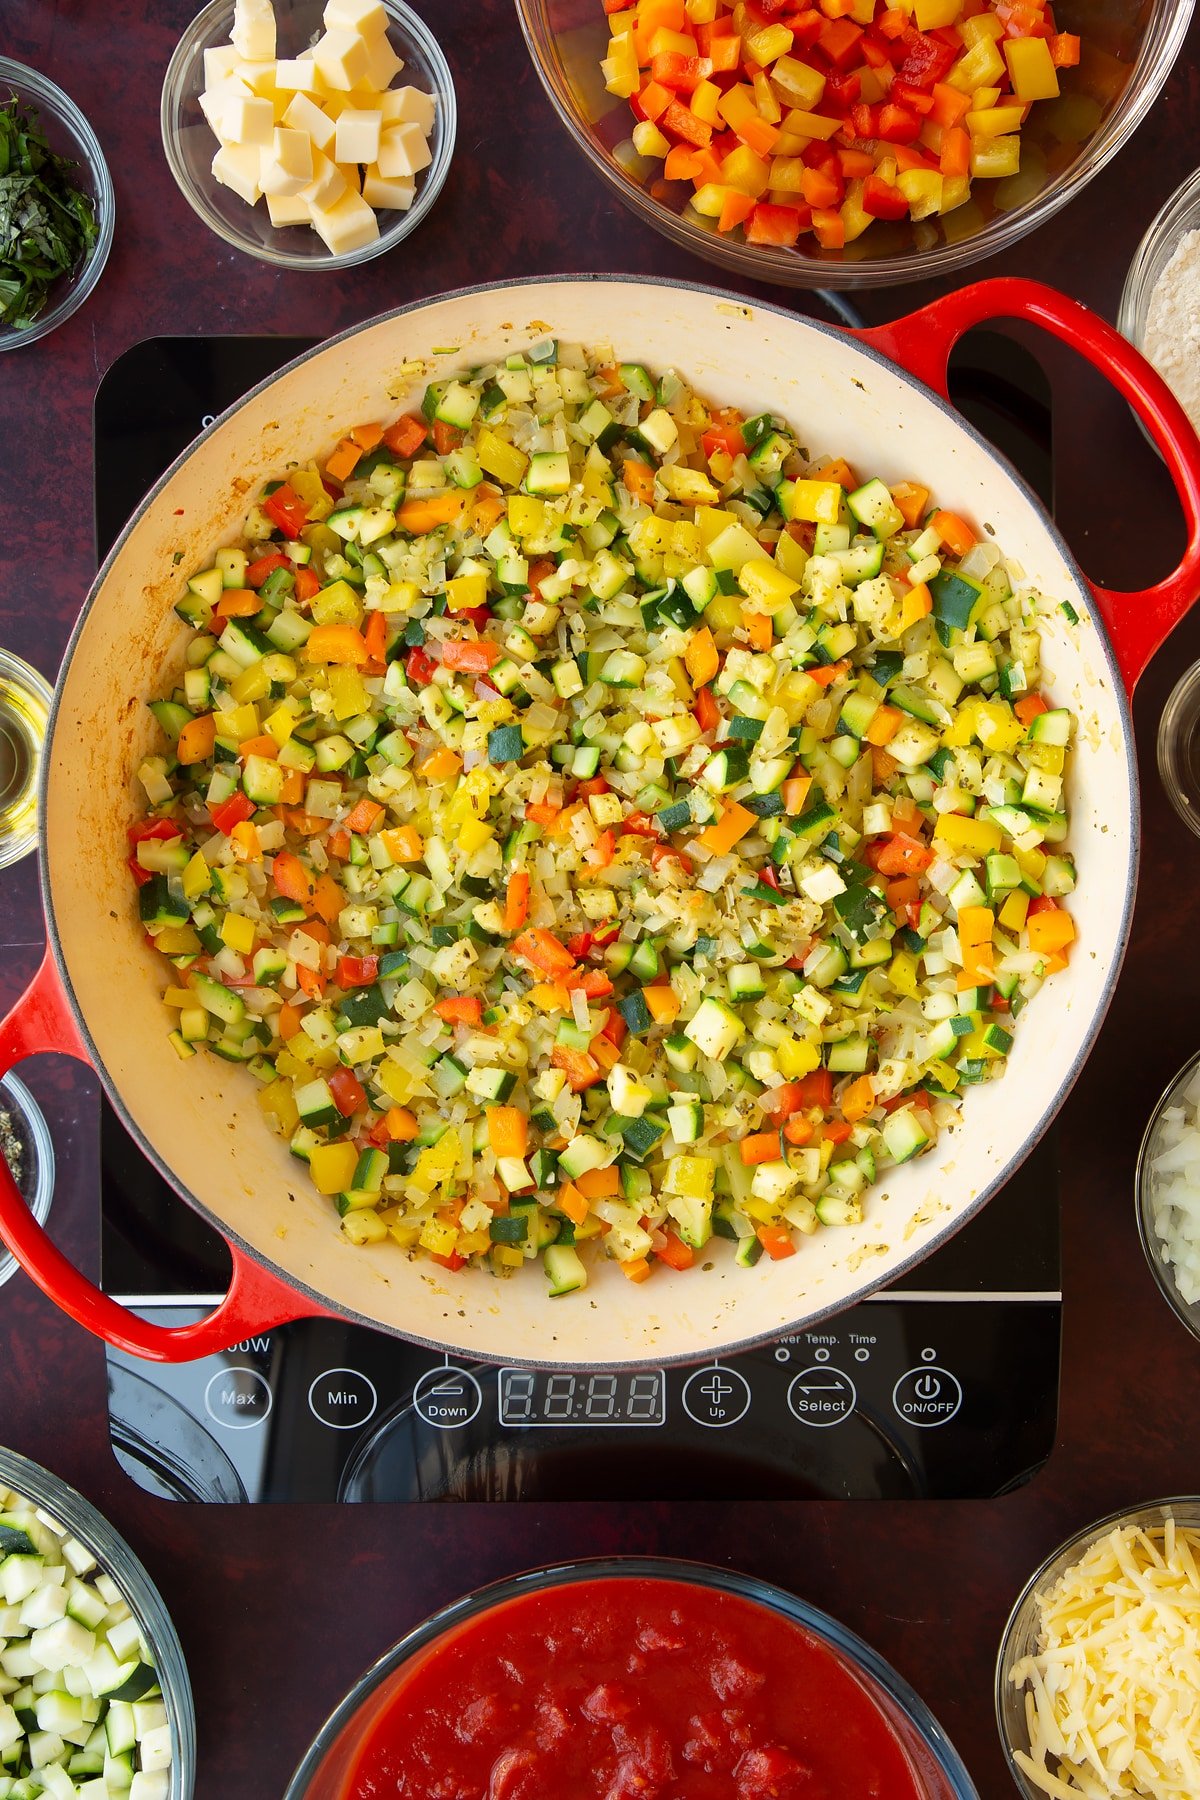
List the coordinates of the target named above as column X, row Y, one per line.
column 849, row 143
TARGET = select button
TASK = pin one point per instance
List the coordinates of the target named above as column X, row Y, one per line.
column 342, row 1399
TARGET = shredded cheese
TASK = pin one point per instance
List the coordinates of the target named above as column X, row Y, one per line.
column 1112, row 1696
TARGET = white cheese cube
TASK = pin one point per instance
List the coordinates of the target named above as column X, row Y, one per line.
column 351, row 174
column 214, row 103
column 403, row 150
column 298, row 75
column 366, row 17
column 342, row 58
column 396, row 194
column 259, row 77
column 384, row 66
column 273, row 179
column 409, row 106
column 327, row 185
column 253, row 33
column 356, row 137
column 303, row 114
column 288, row 209
column 348, row 225
column 248, row 120
column 237, row 166
column 293, row 151
column 219, row 64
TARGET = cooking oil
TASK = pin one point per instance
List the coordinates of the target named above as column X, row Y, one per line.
column 24, row 712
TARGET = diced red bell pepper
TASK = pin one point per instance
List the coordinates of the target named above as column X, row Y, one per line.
column 287, row 510
column 447, row 437
column 842, row 92
column 768, row 224
column 906, row 93
column 865, row 120
column 406, row 436
column 593, row 784
column 639, row 824
column 769, row 878
column 673, row 70
column 882, row 200
column 357, row 971
column 806, row 27
column 706, row 710
column 898, row 124
column 727, row 439
column 418, row 667
column 838, row 40
column 453, row 1261
column 308, row 584
column 1040, row 904
column 263, row 566
column 140, row 875
column 580, row 944
column 155, row 828
column 232, row 812
column 349, row 1094
column 926, row 60
column 821, row 188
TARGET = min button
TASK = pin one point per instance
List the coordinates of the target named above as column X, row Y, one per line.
column 342, row 1399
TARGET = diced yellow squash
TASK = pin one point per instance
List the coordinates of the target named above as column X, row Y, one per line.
column 495, row 455
column 978, row 837
column 238, row 932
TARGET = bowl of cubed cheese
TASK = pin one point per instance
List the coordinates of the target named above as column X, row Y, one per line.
column 310, row 135
column 95, row 1702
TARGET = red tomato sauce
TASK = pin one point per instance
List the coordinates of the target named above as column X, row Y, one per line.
column 630, row 1689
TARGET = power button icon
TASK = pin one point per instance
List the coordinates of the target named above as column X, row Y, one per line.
column 927, row 1396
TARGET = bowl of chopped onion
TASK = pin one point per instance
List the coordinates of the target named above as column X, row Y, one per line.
column 1167, row 1186
column 1094, row 1691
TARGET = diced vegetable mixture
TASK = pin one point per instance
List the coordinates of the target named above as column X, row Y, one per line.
column 790, row 119
column 589, row 817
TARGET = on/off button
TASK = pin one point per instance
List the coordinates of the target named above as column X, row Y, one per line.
column 927, row 1396
column 342, row 1399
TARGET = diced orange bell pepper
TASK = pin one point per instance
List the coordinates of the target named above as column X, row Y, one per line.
column 639, row 479
column 403, row 843
column 674, row 1252
column 196, row 740
column 1050, row 932
column 759, row 1147
column 516, row 900
column 975, row 926
column 954, row 532
column 335, row 644
column 402, row 1125
column 858, row 1099
column 700, row 658
column 599, row 1184
column 759, row 629
column 328, row 899
column 543, row 950
column 417, row 517
column 776, row 1240
column 508, row 1130
column 291, row 879
column 571, row 1201
column 344, row 461
column 733, row 825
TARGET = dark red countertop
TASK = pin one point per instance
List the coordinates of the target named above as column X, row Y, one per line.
column 280, row 1608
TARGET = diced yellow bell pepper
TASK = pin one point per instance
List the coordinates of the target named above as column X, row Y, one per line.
column 819, row 502
column 690, row 1177
column 766, row 584
column 438, row 1238
column 349, row 695
column 308, row 486
column 791, row 556
column 526, row 515
column 983, row 25
column 437, row 1161
column 1032, row 863
column 620, row 67
column 997, row 727
column 981, row 66
column 1014, row 910
column 992, row 159
column 252, row 684
column 709, row 200
column 799, row 83
column 465, row 592
column 279, row 1101
column 473, row 835
column 978, row 837
column 743, row 170
column 797, row 1057
column 995, row 121
column 765, row 46
column 902, row 971
column 337, row 604
column 648, row 140
column 332, row 1167
column 197, row 878
column 178, row 940
column 1031, row 68
column 933, row 15
column 495, row 455
column 238, row 932
column 279, row 724
column 922, row 188
column 804, row 123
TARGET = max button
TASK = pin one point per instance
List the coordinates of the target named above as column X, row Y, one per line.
column 342, row 1399
column 716, row 1396
column 927, row 1396
column 238, row 1398
column 447, row 1398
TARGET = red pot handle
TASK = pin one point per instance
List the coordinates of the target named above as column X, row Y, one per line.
column 921, row 343
column 257, row 1300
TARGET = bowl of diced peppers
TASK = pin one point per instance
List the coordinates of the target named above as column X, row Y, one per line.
column 848, row 143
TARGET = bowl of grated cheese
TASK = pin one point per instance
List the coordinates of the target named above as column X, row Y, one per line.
column 1099, row 1666
column 1160, row 302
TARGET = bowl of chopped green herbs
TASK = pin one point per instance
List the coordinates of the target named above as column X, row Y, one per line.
column 56, row 206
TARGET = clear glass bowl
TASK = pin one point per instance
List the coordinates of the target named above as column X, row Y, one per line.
column 114, row 1555
column 35, row 1179
column 935, row 1764
column 1179, row 747
column 1129, row 47
column 25, row 702
column 1143, row 1182
column 190, row 145
column 1020, row 1634
column 68, row 133
column 1180, row 214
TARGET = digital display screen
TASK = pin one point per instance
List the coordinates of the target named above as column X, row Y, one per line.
column 542, row 1397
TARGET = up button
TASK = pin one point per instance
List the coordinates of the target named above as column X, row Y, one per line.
column 927, row 1396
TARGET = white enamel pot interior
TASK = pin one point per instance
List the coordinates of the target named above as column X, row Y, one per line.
column 200, row 1121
